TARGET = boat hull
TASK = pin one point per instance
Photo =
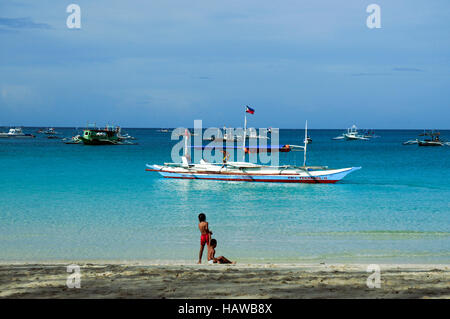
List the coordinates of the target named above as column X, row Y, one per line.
column 18, row 136
column 322, row 177
column 430, row 143
column 97, row 142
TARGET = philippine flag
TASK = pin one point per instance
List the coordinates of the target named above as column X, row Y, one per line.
column 249, row 110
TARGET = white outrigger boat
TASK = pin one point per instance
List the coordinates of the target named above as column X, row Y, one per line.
column 250, row 172
column 351, row 135
column 16, row 133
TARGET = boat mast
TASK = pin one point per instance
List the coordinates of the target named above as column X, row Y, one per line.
column 306, row 143
column 245, row 132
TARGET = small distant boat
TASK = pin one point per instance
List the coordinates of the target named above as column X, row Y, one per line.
column 49, row 131
column 73, row 140
column 16, row 133
column 163, row 130
column 369, row 134
column 180, row 134
column 124, row 136
column 252, row 135
column 433, row 140
column 227, row 137
column 352, row 134
column 411, row 142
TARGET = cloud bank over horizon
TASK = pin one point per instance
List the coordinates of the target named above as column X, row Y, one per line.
column 167, row 63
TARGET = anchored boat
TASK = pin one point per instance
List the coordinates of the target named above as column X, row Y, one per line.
column 73, row 140
column 433, row 140
column 49, row 131
column 98, row 136
column 352, row 134
column 253, row 135
column 124, row 136
column 109, row 135
column 250, row 172
column 227, row 137
column 16, row 133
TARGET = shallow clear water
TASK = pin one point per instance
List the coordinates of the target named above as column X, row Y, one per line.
column 63, row 202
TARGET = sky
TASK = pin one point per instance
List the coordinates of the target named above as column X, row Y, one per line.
column 165, row 63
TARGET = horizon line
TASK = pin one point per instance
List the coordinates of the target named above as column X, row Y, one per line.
column 171, row 128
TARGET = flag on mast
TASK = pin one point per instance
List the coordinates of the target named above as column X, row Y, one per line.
column 249, row 110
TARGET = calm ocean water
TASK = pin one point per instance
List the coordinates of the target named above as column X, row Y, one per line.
column 66, row 202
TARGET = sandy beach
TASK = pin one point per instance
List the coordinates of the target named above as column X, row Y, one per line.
column 140, row 280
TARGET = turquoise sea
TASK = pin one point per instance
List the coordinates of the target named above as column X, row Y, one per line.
column 72, row 202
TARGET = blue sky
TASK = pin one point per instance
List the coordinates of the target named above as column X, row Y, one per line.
column 165, row 63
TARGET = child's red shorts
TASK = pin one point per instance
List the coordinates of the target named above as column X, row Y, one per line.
column 204, row 239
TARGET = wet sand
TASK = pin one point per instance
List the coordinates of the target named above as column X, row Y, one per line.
column 139, row 280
